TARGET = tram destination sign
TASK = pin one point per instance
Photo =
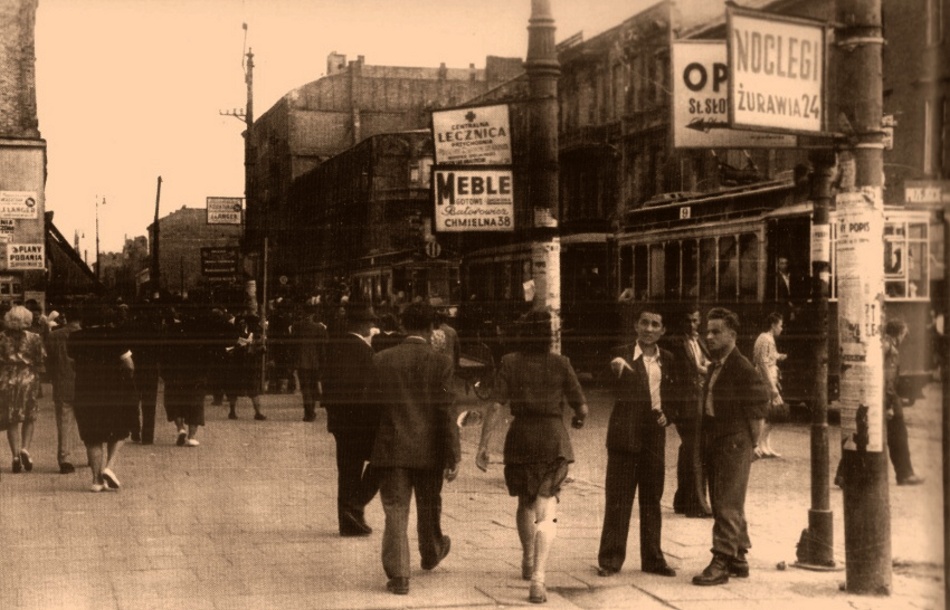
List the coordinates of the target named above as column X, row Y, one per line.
column 701, row 101
column 224, row 210
column 777, row 80
column 479, row 135
column 471, row 199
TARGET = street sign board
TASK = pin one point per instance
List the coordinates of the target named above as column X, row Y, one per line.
column 927, row 191
column 26, row 256
column 224, row 210
column 18, row 204
column 777, row 79
column 478, row 135
column 473, row 199
column 701, row 101
column 220, row 263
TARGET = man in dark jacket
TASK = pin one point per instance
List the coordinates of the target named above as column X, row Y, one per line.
column 734, row 400
column 311, row 341
column 636, row 440
column 352, row 418
column 416, row 446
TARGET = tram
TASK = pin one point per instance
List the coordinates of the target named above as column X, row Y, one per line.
column 724, row 250
column 492, row 284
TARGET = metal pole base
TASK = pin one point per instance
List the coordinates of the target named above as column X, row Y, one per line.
column 816, row 545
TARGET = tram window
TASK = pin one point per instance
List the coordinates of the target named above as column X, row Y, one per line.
column 748, row 266
column 657, row 266
column 917, row 269
column 671, row 270
column 690, row 267
column 640, row 272
column 728, row 268
column 707, row 265
column 626, row 268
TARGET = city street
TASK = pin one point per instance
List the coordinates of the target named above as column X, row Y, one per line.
column 247, row 520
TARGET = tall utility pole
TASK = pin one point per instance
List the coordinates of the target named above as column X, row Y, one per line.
column 98, row 261
column 860, row 250
column 542, row 69
column 155, row 271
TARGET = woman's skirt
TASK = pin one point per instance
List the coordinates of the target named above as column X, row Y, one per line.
column 536, row 479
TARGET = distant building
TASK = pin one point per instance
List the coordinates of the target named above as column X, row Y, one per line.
column 327, row 116
column 182, row 234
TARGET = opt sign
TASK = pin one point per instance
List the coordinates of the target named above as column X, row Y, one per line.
column 778, row 72
column 224, row 210
column 701, row 101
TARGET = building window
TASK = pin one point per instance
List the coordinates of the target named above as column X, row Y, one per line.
column 944, row 145
column 928, row 139
column 934, row 21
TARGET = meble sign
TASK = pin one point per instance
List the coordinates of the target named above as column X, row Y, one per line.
column 778, row 72
column 224, row 210
column 701, row 101
column 479, row 135
column 473, row 199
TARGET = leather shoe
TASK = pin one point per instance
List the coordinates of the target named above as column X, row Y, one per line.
column 739, row 568
column 699, row 514
column 398, row 585
column 660, row 570
column 911, row 480
column 66, row 468
column 354, row 525
column 716, row 573
column 606, row 572
column 446, row 546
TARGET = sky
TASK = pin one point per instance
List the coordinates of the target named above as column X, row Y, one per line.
column 129, row 90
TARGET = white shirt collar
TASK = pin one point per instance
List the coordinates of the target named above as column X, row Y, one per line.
column 637, row 352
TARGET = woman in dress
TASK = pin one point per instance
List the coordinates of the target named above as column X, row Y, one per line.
column 21, row 363
column 105, row 407
column 765, row 357
column 535, row 383
column 185, row 360
column 244, row 364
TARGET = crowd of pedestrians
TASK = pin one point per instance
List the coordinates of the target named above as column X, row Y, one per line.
column 385, row 382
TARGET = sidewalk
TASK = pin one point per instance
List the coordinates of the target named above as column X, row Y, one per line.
column 247, row 520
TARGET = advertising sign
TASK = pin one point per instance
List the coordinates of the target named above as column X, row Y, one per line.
column 470, row 199
column 224, row 210
column 26, row 256
column 777, row 72
column 479, row 135
column 860, row 225
column 701, row 101
column 220, row 263
column 927, row 191
column 18, row 204
column 7, row 229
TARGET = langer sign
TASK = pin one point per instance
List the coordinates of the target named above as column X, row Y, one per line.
column 778, row 72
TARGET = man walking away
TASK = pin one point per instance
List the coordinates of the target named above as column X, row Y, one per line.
column 311, row 343
column 63, row 380
column 351, row 417
column 416, row 446
column 734, row 402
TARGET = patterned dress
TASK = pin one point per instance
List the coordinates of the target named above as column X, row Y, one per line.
column 22, row 359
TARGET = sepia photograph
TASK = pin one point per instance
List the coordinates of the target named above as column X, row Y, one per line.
column 313, row 304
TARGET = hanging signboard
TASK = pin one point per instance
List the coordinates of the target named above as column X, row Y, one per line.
column 927, row 191
column 220, row 263
column 18, row 204
column 777, row 72
column 701, row 101
column 26, row 256
column 473, row 199
column 224, row 210
column 479, row 135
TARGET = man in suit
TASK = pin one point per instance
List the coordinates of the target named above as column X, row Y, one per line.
column 691, row 359
column 311, row 341
column 417, row 444
column 352, row 417
column 734, row 402
column 636, row 440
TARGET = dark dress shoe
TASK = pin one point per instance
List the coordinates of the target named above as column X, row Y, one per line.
column 17, row 465
column 260, row 416
column 446, row 546
column 716, row 573
column 606, row 572
column 911, row 480
column 354, row 525
column 310, row 417
column 26, row 460
column 699, row 514
column 660, row 570
column 398, row 585
column 739, row 568
column 66, row 468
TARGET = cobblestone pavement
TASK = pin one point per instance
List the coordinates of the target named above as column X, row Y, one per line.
column 247, row 520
